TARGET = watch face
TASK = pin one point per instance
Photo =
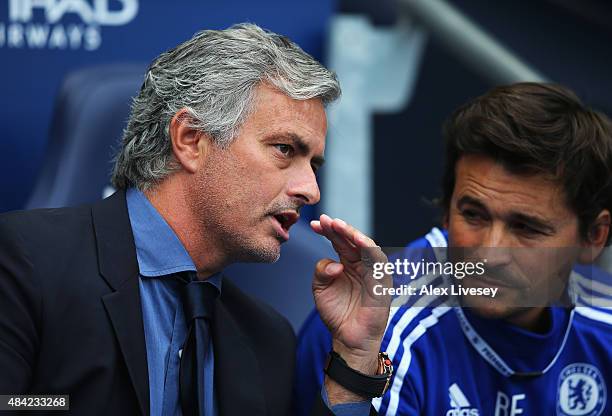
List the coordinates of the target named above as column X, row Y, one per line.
column 385, row 363
column 385, row 368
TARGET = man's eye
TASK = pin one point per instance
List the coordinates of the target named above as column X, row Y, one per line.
column 526, row 229
column 471, row 215
column 285, row 149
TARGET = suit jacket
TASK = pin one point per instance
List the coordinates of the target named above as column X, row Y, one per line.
column 71, row 320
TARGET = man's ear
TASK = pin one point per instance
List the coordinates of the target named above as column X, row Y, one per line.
column 189, row 145
column 596, row 239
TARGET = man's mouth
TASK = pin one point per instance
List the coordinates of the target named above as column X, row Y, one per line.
column 283, row 221
column 497, row 282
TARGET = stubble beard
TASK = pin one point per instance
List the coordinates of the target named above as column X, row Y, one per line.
column 241, row 248
column 236, row 245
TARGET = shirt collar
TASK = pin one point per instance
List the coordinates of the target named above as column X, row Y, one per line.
column 158, row 250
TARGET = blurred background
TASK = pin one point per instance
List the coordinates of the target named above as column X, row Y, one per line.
column 69, row 68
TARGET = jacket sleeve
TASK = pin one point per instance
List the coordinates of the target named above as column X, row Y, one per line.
column 20, row 310
column 321, row 409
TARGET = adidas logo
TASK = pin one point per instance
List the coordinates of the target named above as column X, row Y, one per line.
column 459, row 403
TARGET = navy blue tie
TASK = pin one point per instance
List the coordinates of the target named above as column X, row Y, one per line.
column 198, row 304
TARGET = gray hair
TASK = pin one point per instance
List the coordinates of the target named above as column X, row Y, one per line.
column 213, row 75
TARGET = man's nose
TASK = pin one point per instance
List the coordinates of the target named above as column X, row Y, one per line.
column 496, row 246
column 304, row 186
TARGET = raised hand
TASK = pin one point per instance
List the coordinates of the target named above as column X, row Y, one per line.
column 344, row 296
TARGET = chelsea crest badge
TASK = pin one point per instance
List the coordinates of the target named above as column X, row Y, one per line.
column 581, row 391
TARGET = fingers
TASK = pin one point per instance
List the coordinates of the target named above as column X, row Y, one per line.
column 370, row 252
column 346, row 239
column 327, row 270
column 352, row 234
column 316, row 226
column 344, row 247
column 360, row 251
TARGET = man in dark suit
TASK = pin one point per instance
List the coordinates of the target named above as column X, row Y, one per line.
column 121, row 304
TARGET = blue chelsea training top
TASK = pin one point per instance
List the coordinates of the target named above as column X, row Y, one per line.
column 450, row 362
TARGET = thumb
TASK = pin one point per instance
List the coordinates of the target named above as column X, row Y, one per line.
column 326, row 271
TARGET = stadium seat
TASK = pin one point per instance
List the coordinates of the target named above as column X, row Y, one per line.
column 90, row 113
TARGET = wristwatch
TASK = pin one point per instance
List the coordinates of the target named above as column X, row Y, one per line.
column 362, row 384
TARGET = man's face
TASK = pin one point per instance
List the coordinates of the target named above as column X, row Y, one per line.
column 523, row 228
column 248, row 195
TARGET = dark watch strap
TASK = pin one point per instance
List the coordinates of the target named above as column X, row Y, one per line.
column 353, row 380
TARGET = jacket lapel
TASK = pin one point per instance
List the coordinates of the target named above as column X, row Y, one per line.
column 119, row 267
column 238, row 380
